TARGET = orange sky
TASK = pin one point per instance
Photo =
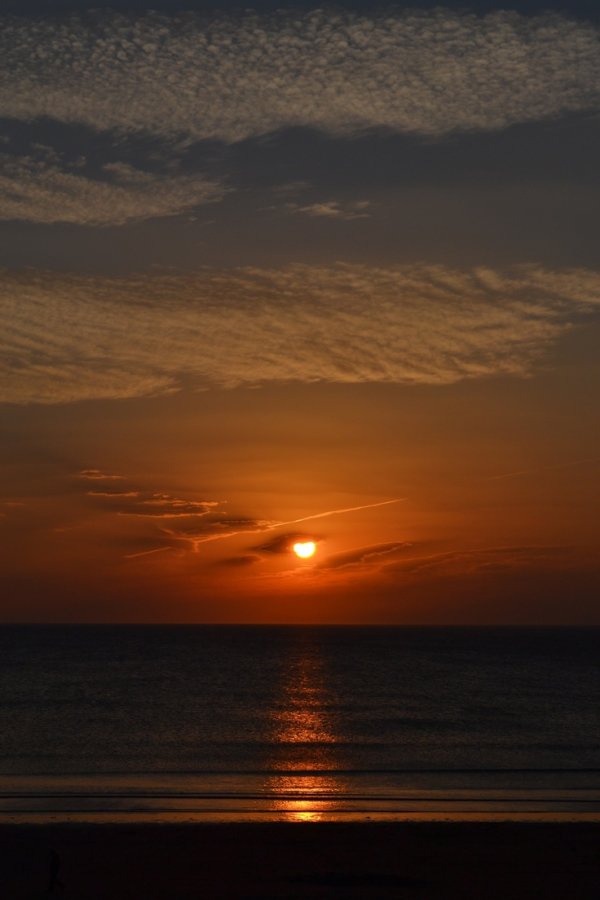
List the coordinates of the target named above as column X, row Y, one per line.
column 259, row 267
column 174, row 509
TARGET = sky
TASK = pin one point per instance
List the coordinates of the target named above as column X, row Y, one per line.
column 299, row 274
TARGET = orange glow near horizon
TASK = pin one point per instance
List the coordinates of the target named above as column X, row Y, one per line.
column 141, row 537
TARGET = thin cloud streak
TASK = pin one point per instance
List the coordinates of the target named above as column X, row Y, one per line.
column 112, row 494
column 99, row 475
column 490, row 561
column 349, row 509
column 539, row 469
column 147, row 552
column 363, row 557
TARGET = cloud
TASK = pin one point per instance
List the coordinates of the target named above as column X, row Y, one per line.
column 236, row 76
column 162, row 506
column 150, row 552
column 239, row 561
column 404, row 566
column 331, row 209
column 152, row 518
column 363, row 556
column 190, row 535
column 150, row 334
column 99, row 475
column 485, row 561
column 283, row 543
column 160, row 521
column 153, row 504
column 288, row 188
column 113, row 494
column 36, row 190
column 539, row 470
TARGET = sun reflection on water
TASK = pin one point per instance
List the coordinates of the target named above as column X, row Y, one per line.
column 304, row 733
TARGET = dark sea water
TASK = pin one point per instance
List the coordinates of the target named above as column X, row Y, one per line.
column 298, row 722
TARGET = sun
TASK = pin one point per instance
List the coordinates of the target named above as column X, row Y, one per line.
column 304, row 549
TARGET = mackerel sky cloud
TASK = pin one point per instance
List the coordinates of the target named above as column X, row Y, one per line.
column 233, row 77
column 346, row 323
column 37, row 191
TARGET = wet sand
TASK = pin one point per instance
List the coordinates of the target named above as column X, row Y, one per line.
column 479, row 861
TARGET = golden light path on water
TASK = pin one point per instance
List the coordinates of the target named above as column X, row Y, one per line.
column 304, row 735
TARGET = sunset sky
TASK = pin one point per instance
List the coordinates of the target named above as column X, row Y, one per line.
column 300, row 274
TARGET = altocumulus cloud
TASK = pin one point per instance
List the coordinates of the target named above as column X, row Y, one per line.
column 238, row 76
column 68, row 337
column 490, row 562
column 43, row 191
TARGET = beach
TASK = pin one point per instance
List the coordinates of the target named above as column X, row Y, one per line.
column 184, row 763
column 478, row 860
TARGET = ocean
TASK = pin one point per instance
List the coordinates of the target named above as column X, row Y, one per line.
column 298, row 723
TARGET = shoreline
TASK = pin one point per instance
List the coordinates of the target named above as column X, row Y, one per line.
column 343, row 796
column 427, row 860
column 289, row 817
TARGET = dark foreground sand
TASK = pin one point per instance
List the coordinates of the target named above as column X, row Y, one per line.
column 401, row 860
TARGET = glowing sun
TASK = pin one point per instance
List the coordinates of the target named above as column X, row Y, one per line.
column 304, row 549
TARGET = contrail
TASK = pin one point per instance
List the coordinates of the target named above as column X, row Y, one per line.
column 146, row 552
column 564, row 465
column 335, row 512
column 271, row 526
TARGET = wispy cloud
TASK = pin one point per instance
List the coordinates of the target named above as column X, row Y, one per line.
column 373, row 560
column 152, row 517
column 35, row 190
column 238, row 562
column 99, row 475
column 363, row 557
column 539, row 470
column 151, row 552
column 332, row 209
column 113, row 494
column 216, row 527
column 484, row 561
column 283, row 543
column 149, row 334
column 235, row 76
column 222, row 528
column 163, row 506
column 176, row 523
column 343, row 511
column 405, row 564
column 152, row 504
